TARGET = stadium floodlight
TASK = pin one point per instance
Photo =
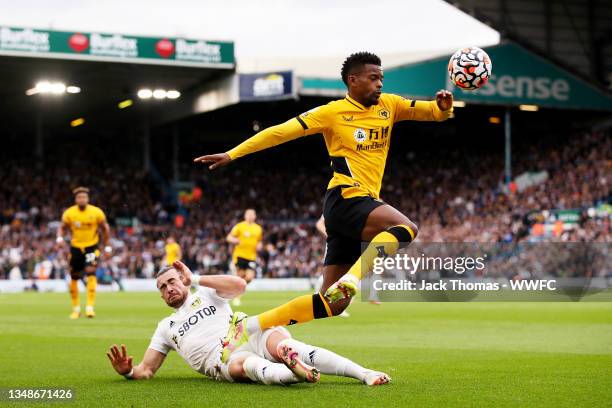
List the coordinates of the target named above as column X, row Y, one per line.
column 529, row 108
column 55, row 88
column 58, row 88
column 43, row 87
column 173, row 94
column 159, row 94
column 459, row 104
column 125, row 104
column 145, row 93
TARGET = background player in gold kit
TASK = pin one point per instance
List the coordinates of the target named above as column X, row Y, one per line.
column 246, row 237
column 84, row 222
column 172, row 251
column 357, row 132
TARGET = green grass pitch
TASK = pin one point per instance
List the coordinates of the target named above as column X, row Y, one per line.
column 438, row 354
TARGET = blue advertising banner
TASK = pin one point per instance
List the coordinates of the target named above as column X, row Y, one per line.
column 266, row 86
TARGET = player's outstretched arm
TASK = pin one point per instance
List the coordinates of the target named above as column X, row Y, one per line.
column 272, row 136
column 122, row 363
column 227, row 286
column 437, row 110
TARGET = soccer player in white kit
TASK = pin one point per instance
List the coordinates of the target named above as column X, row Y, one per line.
column 200, row 322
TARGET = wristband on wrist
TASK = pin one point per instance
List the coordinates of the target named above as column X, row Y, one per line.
column 59, row 239
column 195, row 279
column 129, row 375
column 108, row 249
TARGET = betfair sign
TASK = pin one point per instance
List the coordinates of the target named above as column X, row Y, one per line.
column 116, row 48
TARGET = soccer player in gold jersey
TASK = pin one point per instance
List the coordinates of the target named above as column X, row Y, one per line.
column 357, row 132
column 84, row 222
column 172, row 251
column 246, row 237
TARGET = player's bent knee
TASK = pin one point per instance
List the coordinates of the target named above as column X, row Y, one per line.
column 236, row 369
column 404, row 233
column 274, row 338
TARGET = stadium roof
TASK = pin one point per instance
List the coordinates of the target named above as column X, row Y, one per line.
column 108, row 69
column 306, row 37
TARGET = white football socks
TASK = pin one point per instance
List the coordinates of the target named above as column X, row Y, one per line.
column 266, row 372
column 327, row 361
column 252, row 325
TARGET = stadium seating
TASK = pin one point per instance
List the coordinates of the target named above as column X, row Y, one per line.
column 454, row 197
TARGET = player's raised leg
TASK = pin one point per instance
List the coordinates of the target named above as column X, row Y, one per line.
column 393, row 229
column 387, row 230
column 301, row 309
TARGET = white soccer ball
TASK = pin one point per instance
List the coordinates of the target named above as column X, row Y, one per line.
column 469, row 68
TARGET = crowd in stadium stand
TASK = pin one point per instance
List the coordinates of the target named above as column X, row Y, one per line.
column 453, row 197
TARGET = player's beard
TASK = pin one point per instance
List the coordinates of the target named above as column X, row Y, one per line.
column 177, row 301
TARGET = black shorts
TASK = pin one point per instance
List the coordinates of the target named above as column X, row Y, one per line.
column 82, row 258
column 344, row 221
column 242, row 263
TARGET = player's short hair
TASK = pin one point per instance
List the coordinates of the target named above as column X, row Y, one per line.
column 80, row 190
column 163, row 270
column 356, row 61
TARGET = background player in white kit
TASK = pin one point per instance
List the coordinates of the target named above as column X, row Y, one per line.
column 201, row 320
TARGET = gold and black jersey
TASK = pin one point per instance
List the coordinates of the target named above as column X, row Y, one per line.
column 249, row 235
column 84, row 224
column 357, row 137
